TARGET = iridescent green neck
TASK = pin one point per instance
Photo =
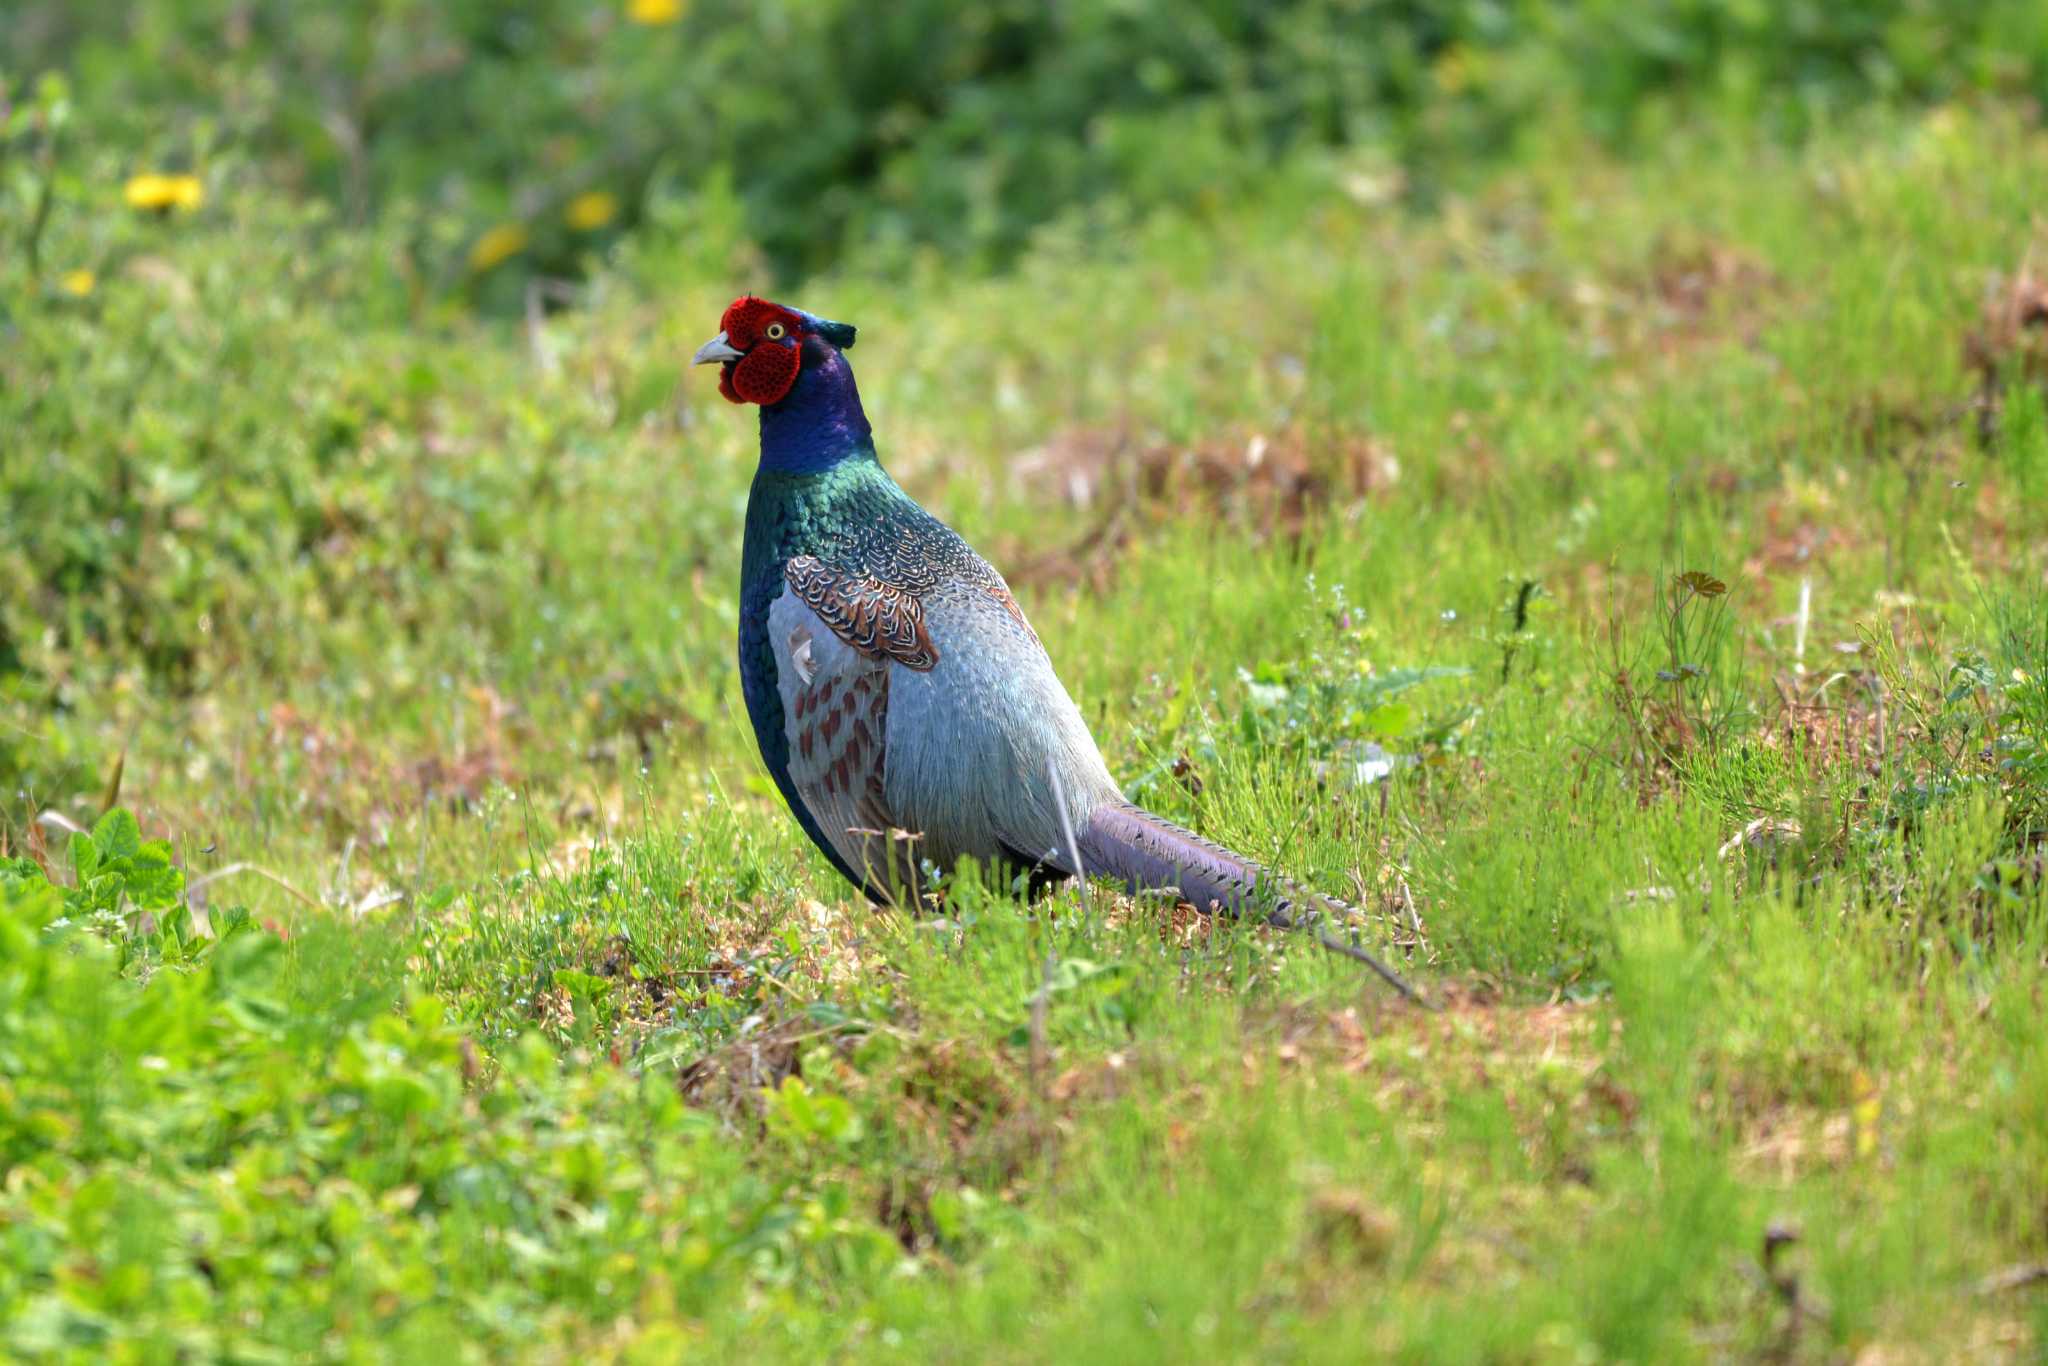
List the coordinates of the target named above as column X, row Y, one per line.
column 807, row 512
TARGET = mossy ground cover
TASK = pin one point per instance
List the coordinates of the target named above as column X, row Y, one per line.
column 1623, row 582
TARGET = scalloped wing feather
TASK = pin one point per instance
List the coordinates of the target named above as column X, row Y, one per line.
column 879, row 619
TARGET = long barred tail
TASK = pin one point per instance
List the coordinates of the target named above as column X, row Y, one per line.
column 1146, row 853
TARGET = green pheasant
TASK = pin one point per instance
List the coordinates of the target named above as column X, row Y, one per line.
column 903, row 704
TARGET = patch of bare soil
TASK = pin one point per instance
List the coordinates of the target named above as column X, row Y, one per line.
column 1277, row 482
column 2009, row 344
column 358, row 789
column 1473, row 1040
column 731, row 1078
column 1704, row 288
column 1693, row 292
column 1838, row 711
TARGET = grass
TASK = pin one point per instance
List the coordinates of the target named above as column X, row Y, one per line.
column 1358, row 536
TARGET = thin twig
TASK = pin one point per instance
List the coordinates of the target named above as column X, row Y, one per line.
column 1039, row 1058
column 57, row 820
column 1344, row 950
column 1414, row 919
column 260, row 871
column 2013, row 1278
column 1800, row 624
column 341, row 882
column 377, row 901
column 46, row 198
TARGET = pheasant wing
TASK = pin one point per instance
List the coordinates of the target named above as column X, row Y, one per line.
column 880, row 620
column 837, row 635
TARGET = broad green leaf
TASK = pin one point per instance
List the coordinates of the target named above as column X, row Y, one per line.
column 1390, row 719
column 116, row 835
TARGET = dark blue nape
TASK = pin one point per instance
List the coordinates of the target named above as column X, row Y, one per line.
column 819, row 422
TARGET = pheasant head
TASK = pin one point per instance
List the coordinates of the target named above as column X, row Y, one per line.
column 764, row 346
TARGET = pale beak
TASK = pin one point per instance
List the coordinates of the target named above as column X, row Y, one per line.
column 716, row 350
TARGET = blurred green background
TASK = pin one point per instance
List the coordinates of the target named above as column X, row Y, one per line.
column 885, row 130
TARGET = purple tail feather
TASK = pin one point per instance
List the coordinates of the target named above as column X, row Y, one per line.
column 1147, row 853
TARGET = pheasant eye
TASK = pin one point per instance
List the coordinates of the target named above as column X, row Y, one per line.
column 776, row 331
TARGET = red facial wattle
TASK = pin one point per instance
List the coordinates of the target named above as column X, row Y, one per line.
column 771, row 338
column 764, row 375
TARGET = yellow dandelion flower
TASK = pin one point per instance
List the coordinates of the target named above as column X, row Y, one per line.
column 77, row 282
column 1866, row 1110
column 654, row 12
column 496, row 246
column 1455, row 71
column 591, row 210
column 154, row 190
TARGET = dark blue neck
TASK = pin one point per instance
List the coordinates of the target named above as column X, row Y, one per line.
column 819, row 421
